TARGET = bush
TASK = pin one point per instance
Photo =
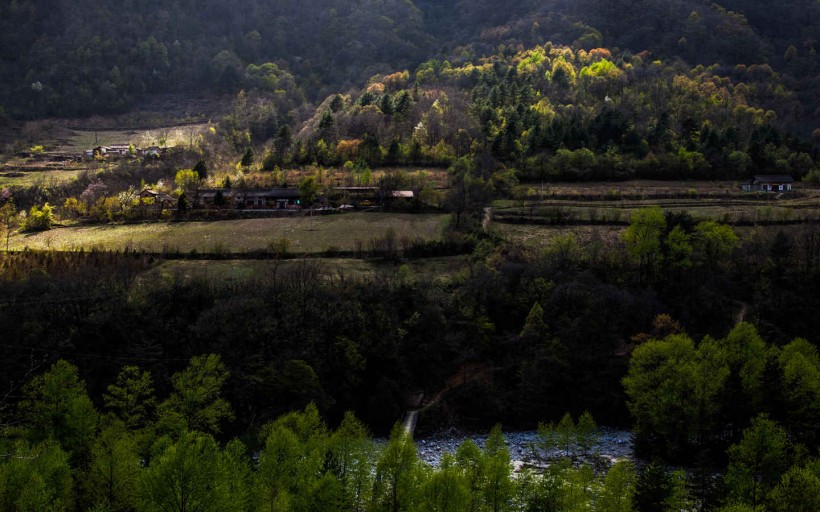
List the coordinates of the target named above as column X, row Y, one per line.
column 39, row 219
column 812, row 177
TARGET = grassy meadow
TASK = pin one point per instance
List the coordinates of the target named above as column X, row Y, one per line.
column 227, row 271
column 305, row 235
column 32, row 178
column 181, row 135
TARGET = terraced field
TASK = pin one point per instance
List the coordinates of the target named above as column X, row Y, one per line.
column 304, row 235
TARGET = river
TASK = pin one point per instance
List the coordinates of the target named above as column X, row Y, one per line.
column 612, row 446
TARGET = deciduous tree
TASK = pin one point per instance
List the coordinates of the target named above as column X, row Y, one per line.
column 196, row 402
column 643, row 238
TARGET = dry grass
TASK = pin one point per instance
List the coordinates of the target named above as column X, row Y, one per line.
column 306, row 234
column 79, row 140
column 227, row 271
column 32, row 178
column 539, row 237
column 614, row 202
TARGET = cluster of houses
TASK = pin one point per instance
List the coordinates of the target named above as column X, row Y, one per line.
column 267, row 199
column 271, row 199
column 290, row 198
column 120, row 150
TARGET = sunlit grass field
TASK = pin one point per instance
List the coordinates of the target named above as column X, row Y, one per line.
column 305, row 234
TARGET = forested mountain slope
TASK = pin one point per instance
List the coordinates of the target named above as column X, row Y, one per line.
column 77, row 57
column 551, row 112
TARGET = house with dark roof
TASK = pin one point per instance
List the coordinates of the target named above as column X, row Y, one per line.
column 273, row 199
column 118, row 149
column 769, row 183
column 255, row 199
column 158, row 200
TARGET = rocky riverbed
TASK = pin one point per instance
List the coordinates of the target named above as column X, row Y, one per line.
column 612, row 446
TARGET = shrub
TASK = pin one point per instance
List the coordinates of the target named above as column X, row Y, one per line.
column 39, row 219
column 812, row 177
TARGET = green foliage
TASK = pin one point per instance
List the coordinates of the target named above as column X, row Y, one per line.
column 445, row 490
column 569, row 438
column 247, row 158
column 353, row 456
column 563, row 73
column 800, row 365
column 586, row 432
column 131, row 397
column 183, row 204
column 8, row 218
column 279, row 468
column 187, row 179
column 713, row 241
column 660, row 490
column 797, row 491
column 39, row 219
column 601, row 69
column 56, row 406
column 575, row 164
column 469, row 191
column 497, row 470
column 643, row 237
column 196, row 402
column 678, row 245
column 618, row 492
column 812, row 177
column 36, row 478
column 304, row 466
column 397, row 473
column 201, row 169
column 757, row 462
column 308, row 190
column 112, row 477
column 192, row 474
column 670, row 383
column 745, row 352
column 565, row 434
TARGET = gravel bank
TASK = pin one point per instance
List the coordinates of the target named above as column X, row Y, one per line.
column 613, row 445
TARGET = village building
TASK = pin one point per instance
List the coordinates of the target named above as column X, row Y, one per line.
column 118, row 149
column 150, row 151
column 278, row 199
column 267, row 199
column 159, row 200
column 122, row 150
column 374, row 194
column 769, row 183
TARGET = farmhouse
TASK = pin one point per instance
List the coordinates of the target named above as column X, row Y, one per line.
column 159, row 200
column 277, row 198
column 769, row 183
column 267, row 199
column 150, row 151
column 361, row 194
column 118, row 149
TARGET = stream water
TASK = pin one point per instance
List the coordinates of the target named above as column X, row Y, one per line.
column 613, row 445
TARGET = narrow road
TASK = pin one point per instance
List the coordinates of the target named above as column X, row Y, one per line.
column 488, row 218
column 467, row 373
column 410, row 418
